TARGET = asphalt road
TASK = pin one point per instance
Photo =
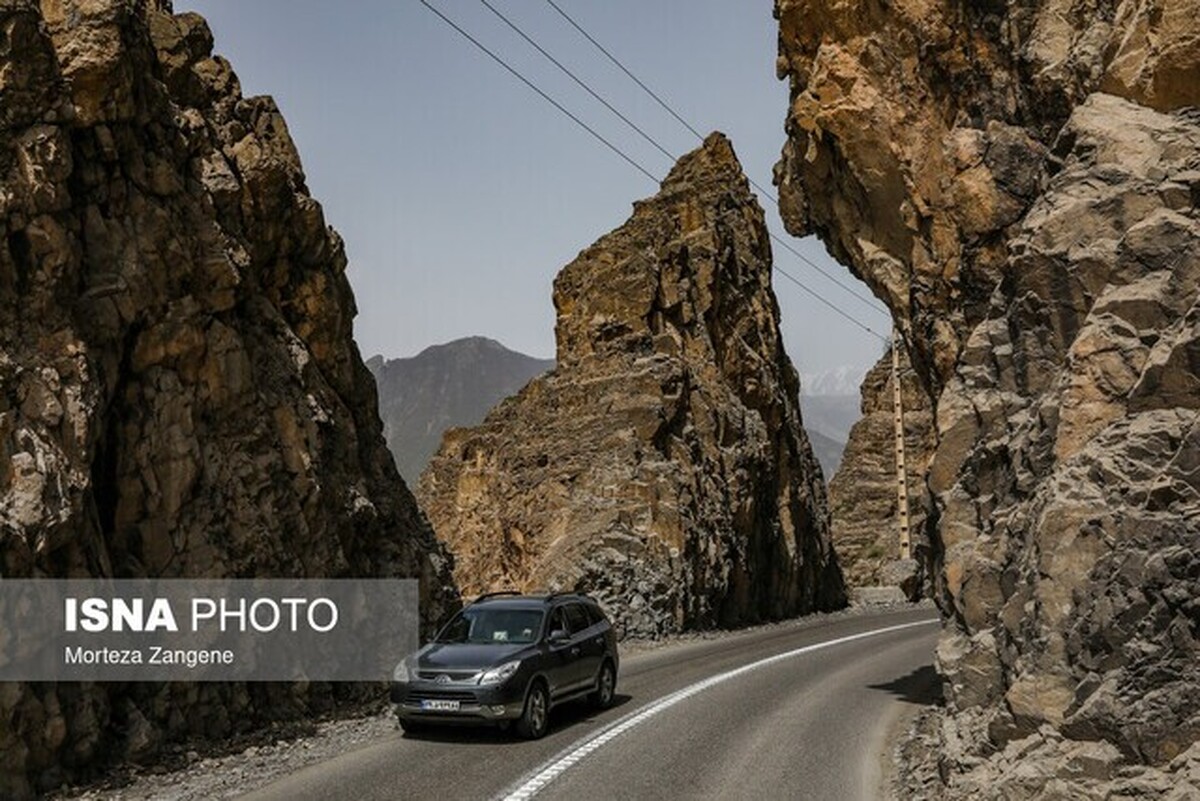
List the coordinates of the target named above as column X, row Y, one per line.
column 706, row 719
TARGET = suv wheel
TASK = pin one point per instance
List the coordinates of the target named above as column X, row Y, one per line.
column 606, row 687
column 536, row 717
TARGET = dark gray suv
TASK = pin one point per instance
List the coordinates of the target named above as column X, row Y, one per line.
column 509, row 658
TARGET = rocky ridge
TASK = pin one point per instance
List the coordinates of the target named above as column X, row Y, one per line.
column 662, row 465
column 182, row 396
column 1019, row 183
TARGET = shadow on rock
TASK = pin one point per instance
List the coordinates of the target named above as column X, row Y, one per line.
column 922, row 687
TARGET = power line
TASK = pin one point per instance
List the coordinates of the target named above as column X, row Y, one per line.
column 854, row 320
column 801, row 285
column 623, row 69
column 628, row 159
column 543, row 95
column 578, row 80
column 870, row 303
column 787, row 246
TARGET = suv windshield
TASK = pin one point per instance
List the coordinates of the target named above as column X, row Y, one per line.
column 480, row 625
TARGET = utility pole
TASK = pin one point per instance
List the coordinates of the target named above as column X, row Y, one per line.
column 901, row 472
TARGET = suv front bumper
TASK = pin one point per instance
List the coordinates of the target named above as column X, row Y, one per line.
column 411, row 701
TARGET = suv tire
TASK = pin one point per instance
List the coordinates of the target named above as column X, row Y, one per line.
column 606, row 687
column 535, row 718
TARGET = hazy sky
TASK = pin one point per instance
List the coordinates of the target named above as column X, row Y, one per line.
column 460, row 193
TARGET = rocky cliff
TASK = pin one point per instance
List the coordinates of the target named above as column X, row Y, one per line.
column 862, row 493
column 181, row 392
column 444, row 386
column 662, row 465
column 1018, row 182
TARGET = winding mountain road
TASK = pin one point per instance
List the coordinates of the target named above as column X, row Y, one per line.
column 793, row 711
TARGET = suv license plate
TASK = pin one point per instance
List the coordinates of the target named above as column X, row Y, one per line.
column 440, row 706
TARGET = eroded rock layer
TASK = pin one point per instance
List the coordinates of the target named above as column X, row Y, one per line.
column 661, row 465
column 181, row 393
column 1019, row 183
column 863, row 498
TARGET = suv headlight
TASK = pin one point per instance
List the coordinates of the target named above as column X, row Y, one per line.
column 499, row 675
column 401, row 673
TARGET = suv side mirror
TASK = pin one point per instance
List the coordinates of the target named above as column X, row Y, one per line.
column 559, row 636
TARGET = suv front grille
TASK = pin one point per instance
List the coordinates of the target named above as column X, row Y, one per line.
column 416, row 696
column 455, row 675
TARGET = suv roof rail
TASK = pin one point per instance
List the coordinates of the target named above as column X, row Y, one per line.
column 487, row 595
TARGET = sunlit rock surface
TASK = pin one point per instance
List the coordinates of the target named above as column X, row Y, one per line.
column 1018, row 182
column 662, row 465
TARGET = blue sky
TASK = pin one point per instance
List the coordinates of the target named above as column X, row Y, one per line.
column 460, row 193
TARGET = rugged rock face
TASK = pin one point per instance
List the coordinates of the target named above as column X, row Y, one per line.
column 1019, row 183
column 455, row 384
column 862, row 494
column 662, row 465
column 181, row 392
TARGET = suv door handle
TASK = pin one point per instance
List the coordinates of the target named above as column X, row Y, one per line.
column 575, row 651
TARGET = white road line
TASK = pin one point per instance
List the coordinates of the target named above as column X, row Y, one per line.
column 574, row 754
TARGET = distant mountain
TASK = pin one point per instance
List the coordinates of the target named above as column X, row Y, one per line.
column 844, row 380
column 455, row 384
column 831, row 405
column 832, row 415
column 827, row 450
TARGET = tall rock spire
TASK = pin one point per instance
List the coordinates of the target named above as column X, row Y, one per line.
column 662, row 465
